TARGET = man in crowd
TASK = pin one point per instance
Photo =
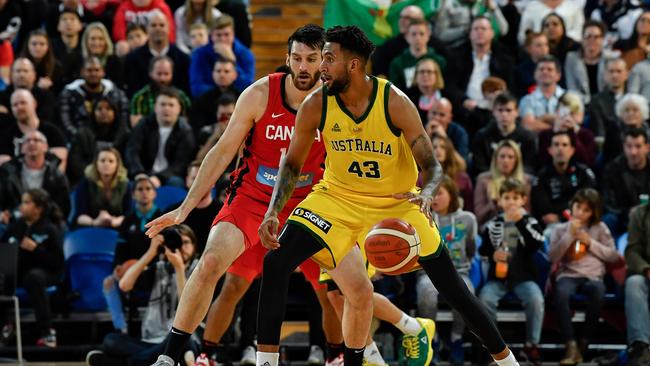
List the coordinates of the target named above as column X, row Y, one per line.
column 538, row 107
column 77, row 98
column 472, row 63
column 23, row 107
column 158, row 44
column 162, row 145
column 558, row 181
column 626, row 180
column 223, row 46
column 161, row 75
column 31, row 170
column 204, row 108
column 23, row 76
column 504, row 126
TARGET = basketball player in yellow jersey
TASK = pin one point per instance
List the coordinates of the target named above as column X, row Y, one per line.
column 374, row 138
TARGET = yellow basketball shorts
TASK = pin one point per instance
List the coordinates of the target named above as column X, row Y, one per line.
column 338, row 221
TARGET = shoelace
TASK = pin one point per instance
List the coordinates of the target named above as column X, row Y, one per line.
column 411, row 347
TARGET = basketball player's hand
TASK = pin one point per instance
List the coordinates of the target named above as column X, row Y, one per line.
column 268, row 231
column 421, row 200
column 174, row 217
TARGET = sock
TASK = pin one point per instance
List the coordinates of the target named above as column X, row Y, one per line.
column 267, row 358
column 372, row 355
column 510, row 360
column 408, row 325
column 176, row 342
column 333, row 350
column 209, row 348
column 352, row 356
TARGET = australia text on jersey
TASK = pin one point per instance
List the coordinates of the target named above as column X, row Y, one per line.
column 379, row 147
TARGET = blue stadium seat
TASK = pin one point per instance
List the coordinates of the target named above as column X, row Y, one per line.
column 89, row 254
column 169, row 195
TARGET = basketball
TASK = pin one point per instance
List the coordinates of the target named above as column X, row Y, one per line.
column 392, row 246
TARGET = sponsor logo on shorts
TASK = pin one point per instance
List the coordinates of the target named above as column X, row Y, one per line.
column 318, row 221
column 268, row 176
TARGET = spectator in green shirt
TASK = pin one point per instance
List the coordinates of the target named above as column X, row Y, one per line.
column 402, row 68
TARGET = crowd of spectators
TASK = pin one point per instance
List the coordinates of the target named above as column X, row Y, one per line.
column 538, row 111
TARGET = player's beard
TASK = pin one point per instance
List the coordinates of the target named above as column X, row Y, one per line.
column 305, row 84
column 338, row 85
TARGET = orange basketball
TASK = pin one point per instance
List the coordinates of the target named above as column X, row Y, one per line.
column 392, row 246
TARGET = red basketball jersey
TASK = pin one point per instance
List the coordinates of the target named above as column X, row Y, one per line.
column 265, row 143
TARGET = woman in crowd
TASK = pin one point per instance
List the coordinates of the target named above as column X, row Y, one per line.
column 558, row 41
column 107, row 129
column 635, row 48
column 102, row 195
column 194, row 11
column 49, row 71
column 459, row 229
column 40, row 257
column 96, row 41
column 581, row 247
column 454, row 166
column 569, row 116
column 427, row 86
column 632, row 112
column 506, row 163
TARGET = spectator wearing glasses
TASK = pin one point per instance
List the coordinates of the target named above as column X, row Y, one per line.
column 427, row 87
column 584, row 69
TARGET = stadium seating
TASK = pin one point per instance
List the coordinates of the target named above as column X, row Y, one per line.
column 168, row 195
column 89, row 254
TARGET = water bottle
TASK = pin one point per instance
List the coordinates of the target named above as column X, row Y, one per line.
column 502, row 266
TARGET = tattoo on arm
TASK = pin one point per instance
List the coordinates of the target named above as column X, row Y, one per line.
column 431, row 169
column 286, row 183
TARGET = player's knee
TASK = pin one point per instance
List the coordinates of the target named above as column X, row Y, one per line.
column 233, row 290
column 210, row 265
column 361, row 295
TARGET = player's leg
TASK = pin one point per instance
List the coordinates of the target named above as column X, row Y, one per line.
column 222, row 311
column 225, row 244
column 296, row 245
column 331, row 324
column 241, row 274
column 435, row 260
column 352, row 279
column 451, row 286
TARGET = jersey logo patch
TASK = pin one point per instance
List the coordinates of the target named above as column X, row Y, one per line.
column 273, row 115
column 322, row 224
column 336, row 128
column 268, row 176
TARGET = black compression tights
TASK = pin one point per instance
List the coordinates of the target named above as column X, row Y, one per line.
column 444, row 277
column 296, row 245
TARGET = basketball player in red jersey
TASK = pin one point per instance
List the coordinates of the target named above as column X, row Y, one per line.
column 233, row 243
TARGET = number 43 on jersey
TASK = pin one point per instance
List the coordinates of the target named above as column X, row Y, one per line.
column 369, row 169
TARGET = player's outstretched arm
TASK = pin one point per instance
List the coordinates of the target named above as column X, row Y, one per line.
column 405, row 116
column 219, row 156
column 304, row 133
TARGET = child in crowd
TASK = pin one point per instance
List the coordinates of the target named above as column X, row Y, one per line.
column 581, row 247
column 40, row 257
column 198, row 35
column 510, row 241
column 459, row 229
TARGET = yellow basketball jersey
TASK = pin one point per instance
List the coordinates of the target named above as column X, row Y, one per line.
column 366, row 156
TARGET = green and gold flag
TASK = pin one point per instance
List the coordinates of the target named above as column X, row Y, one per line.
column 378, row 18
